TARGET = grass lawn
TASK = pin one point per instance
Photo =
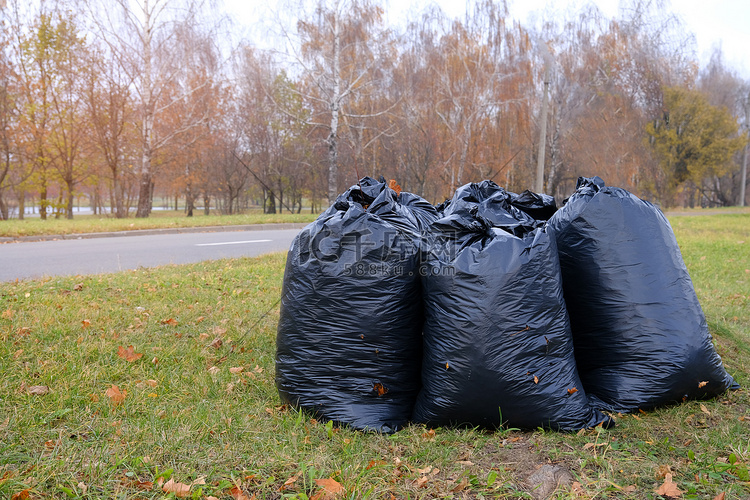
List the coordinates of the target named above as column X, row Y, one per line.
column 158, row 219
column 191, row 409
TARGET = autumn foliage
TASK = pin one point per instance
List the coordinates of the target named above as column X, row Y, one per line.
column 116, row 119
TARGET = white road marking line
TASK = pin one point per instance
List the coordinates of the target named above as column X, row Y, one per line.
column 230, row 243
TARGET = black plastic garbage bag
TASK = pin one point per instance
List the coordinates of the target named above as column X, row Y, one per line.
column 539, row 206
column 349, row 335
column 641, row 339
column 497, row 342
column 498, row 205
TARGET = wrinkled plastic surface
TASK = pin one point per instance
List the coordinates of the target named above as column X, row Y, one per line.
column 641, row 339
column 539, row 206
column 349, row 335
column 497, row 342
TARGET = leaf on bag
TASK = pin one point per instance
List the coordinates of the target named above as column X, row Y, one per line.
column 128, row 354
column 180, row 490
column 573, row 390
column 536, row 379
column 702, row 384
column 668, row 488
column 380, row 389
column 393, row 185
column 115, row 395
column 170, row 322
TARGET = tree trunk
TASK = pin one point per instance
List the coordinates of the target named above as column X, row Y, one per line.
column 144, row 196
column 43, row 202
column 147, row 108
column 539, row 185
column 743, row 176
column 21, row 195
column 69, row 207
column 333, row 173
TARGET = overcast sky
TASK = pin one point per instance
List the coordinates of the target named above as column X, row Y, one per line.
column 724, row 22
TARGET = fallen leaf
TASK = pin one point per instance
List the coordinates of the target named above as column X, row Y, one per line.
column 82, row 486
column 142, row 485
column 379, row 389
column 22, row 495
column 374, row 463
column 662, row 471
column 170, row 322
column 330, row 486
column 114, row 394
column 216, row 343
column 237, row 369
column 214, row 370
column 420, row 483
column 199, row 319
column 630, row 489
column 238, row 494
column 573, row 390
column 128, row 354
column 85, row 323
column 289, row 482
column 78, row 287
column 460, row 486
column 199, row 481
column 465, row 462
column 38, row 390
column 24, row 330
column 8, row 314
column 720, row 496
column 430, row 434
column 705, row 410
column 668, row 488
column 702, row 384
column 180, row 490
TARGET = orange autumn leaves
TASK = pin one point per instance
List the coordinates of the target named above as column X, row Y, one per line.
column 128, row 354
column 114, row 393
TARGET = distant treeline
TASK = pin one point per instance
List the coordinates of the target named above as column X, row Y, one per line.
column 122, row 100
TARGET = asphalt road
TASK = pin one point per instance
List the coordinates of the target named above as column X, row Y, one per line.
column 118, row 253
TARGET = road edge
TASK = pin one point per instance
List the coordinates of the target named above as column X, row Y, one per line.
column 149, row 232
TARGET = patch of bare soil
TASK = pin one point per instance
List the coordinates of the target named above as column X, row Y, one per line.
column 532, row 469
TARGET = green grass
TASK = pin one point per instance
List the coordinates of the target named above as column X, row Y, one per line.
column 190, row 415
column 159, row 219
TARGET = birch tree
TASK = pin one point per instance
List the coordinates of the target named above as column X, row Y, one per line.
column 143, row 36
